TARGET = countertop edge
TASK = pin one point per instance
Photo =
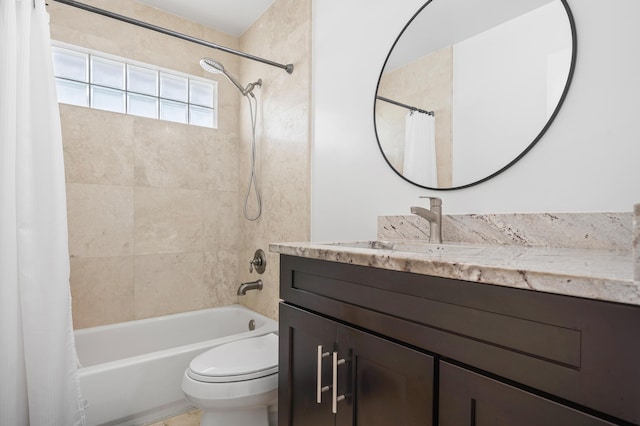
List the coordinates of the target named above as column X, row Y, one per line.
column 527, row 278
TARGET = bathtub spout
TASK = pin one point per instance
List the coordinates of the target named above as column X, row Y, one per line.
column 252, row 285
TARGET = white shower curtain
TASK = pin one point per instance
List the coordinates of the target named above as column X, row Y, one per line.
column 420, row 149
column 38, row 373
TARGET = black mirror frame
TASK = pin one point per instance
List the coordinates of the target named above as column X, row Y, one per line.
column 574, row 49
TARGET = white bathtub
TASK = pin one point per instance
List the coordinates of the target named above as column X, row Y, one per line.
column 131, row 372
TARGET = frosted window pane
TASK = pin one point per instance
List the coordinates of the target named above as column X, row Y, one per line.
column 200, row 116
column 173, row 111
column 115, row 85
column 70, row 64
column 142, row 80
column 71, row 92
column 143, row 106
column 201, row 93
column 107, row 99
column 107, row 73
column 173, row 87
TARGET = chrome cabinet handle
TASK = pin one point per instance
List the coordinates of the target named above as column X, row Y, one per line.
column 335, row 397
column 319, row 387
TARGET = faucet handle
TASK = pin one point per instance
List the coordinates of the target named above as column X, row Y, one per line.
column 259, row 261
column 433, row 201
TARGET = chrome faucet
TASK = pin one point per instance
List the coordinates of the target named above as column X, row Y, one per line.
column 434, row 216
column 252, row 285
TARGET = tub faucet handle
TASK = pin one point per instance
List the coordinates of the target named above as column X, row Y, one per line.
column 259, row 261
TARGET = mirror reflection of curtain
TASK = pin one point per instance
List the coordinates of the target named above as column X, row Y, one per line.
column 420, row 149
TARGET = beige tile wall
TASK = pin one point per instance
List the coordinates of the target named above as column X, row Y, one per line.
column 156, row 244
column 282, row 34
column 155, row 208
column 152, row 205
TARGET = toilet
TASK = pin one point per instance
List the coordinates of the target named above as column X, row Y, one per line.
column 235, row 383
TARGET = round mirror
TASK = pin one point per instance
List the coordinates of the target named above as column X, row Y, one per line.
column 470, row 86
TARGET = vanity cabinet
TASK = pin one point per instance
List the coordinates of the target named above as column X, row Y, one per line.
column 376, row 381
column 424, row 350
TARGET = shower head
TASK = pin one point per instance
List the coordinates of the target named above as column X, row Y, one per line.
column 211, row 66
column 216, row 67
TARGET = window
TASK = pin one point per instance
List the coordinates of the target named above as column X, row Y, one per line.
column 114, row 84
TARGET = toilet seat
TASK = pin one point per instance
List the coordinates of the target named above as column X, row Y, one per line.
column 237, row 361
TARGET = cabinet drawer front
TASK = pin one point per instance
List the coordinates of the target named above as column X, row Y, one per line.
column 467, row 398
column 549, row 342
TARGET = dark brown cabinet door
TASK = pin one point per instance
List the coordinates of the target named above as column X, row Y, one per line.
column 300, row 335
column 467, row 398
column 389, row 384
column 379, row 383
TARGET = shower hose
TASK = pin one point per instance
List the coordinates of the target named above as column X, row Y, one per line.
column 253, row 180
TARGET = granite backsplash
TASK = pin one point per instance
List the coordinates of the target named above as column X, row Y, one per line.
column 605, row 231
column 598, row 231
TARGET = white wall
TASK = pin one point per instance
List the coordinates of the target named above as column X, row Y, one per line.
column 500, row 89
column 589, row 160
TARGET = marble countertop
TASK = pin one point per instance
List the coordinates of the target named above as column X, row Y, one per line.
column 589, row 273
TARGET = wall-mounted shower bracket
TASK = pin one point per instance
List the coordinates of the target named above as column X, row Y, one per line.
column 259, row 261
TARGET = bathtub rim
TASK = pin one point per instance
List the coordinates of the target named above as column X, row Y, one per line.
column 270, row 326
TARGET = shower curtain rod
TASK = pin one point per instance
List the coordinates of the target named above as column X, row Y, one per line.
column 288, row 68
column 412, row 108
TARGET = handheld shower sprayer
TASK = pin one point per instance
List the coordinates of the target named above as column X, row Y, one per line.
column 216, row 67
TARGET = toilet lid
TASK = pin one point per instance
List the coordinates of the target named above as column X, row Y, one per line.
column 244, row 359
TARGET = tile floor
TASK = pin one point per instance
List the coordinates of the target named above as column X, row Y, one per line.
column 191, row 418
